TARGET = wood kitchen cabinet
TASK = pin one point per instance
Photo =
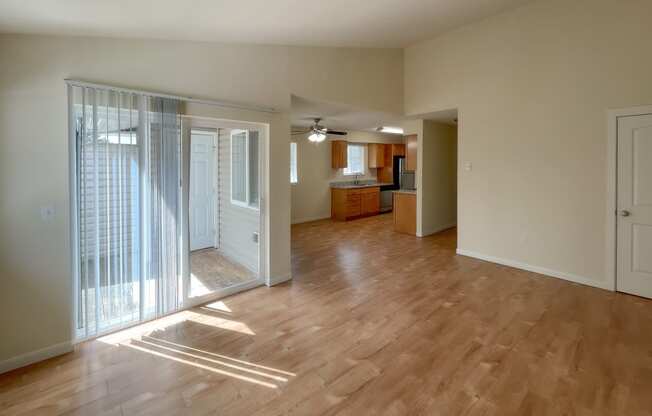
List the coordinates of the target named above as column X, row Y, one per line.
column 376, row 152
column 386, row 173
column 350, row 203
column 339, row 154
column 405, row 212
column 370, row 201
column 398, row 149
column 411, row 152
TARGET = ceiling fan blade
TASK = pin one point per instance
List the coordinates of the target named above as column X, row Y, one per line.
column 337, row 133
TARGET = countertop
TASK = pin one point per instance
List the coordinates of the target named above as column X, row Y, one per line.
column 348, row 185
column 406, row 191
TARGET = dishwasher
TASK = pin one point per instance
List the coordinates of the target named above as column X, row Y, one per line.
column 386, row 191
column 386, row 199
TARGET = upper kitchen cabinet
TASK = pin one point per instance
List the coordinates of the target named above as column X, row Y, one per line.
column 386, row 173
column 339, row 156
column 411, row 152
column 376, row 153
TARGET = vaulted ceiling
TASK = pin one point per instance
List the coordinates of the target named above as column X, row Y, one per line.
column 372, row 23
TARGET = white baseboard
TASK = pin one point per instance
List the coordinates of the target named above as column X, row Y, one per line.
column 437, row 229
column 35, row 356
column 540, row 270
column 310, row 219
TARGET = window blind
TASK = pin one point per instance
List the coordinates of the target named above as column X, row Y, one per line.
column 127, row 220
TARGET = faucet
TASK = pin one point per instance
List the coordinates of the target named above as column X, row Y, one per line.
column 356, row 181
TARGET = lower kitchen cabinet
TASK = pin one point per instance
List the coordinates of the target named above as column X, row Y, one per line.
column 350, row 203
column 405, row 212
column 370, row 201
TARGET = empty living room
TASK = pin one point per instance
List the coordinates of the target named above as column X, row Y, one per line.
column 396, row 207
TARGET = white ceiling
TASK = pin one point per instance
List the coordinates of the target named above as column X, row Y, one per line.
column 374, row 23
column 343, row 117
column 338, row 116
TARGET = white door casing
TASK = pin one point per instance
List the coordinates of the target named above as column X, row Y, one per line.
column 634, row 205
column 202, row 190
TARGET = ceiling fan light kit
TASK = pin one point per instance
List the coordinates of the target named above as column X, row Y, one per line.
column 318, row 133
column 317, row 137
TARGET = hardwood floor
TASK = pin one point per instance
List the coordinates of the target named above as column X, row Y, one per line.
column 374, row 323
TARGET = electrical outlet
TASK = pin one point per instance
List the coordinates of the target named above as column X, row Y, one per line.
column 468, row 166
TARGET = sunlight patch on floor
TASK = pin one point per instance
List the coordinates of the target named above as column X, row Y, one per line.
column 139, row 338
column 197, row 288
column 163, row 323
column 199, row 356
column 224, row 357
column 219, row 306
column 202, row 366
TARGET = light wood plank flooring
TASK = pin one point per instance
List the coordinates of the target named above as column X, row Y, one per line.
column 373, row 323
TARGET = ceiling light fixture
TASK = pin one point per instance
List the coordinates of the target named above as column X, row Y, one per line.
column 390, row 130
column 317, row 137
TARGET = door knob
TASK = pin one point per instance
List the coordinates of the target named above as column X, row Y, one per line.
column 625, row 213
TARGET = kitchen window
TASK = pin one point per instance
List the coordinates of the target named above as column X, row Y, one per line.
column 244, row 168
column 355, row 160
column 294, row 175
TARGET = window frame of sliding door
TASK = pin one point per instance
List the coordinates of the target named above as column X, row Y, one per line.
column 262, row 277
column 73, row 166
column 74, row 213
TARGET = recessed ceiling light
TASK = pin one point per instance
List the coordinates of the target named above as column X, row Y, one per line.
column 390, row 130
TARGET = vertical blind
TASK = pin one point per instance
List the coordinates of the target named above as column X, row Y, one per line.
column 127, row 197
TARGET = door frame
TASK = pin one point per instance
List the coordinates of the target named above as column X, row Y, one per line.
column 611, row 255
column 198, row 123
column 214, row 170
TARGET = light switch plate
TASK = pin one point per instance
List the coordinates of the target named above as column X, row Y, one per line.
column 468, row 166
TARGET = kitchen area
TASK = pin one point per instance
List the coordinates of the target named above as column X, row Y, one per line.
column 393, row 190
column 349, row 163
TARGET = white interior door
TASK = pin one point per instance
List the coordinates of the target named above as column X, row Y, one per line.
column 634, row 270
column 202, row 190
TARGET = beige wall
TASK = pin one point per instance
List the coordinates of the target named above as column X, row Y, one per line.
column 437, row 173
column 35, row 282
column 311, row 195
column 532, row 86
column 365, row 78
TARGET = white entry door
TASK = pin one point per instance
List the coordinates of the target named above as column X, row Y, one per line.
column 635, row 205
column 202, row 190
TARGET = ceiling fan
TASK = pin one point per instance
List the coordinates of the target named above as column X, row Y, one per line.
column 317, row 132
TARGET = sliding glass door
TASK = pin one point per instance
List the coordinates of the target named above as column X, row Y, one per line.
column 125, row 178
column 224, row 161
